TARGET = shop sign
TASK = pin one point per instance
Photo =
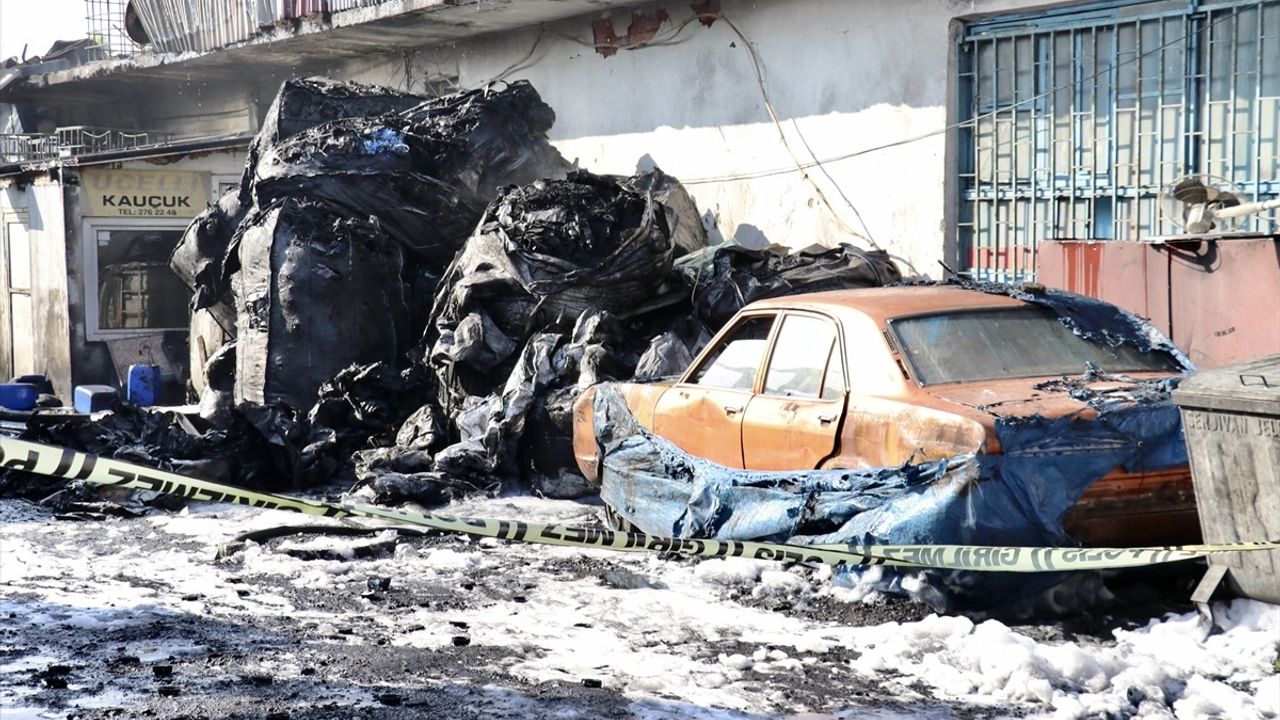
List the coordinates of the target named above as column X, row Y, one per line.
column 145, row 193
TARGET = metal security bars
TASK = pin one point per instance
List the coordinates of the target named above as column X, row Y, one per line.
column 1071, row 122
column 106, row 25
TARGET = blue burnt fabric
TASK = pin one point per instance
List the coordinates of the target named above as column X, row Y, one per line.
column 1018, row 497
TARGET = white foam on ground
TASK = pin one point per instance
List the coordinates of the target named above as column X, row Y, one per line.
column 655, row 645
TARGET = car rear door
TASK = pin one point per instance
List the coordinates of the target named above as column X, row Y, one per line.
column 794, row 422
column 703, row 413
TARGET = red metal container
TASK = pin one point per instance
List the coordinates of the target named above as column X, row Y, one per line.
column 1218, row 300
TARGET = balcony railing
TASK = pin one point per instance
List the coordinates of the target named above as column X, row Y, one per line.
column 74, row 141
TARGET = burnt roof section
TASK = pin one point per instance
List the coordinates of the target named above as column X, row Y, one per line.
column 325, row 39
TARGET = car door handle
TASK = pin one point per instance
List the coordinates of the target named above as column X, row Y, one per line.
column 826, row 419
column 732, row 409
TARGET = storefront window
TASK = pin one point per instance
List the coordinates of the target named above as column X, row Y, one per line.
column 135, row 289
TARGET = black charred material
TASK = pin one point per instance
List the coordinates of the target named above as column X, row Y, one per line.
column 317, row 292
column 1115, row 389
column 263, row 447
column 206, row 259
column 724, row 279
column 545, row 254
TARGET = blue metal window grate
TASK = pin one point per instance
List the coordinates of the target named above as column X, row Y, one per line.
column 1072, row 121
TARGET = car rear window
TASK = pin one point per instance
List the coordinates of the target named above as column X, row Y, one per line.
column 969, row 345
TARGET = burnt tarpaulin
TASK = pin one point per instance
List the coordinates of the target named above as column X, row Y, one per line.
column 1019, row 497
column 522, row 430
column 544, row 254
column 259, row 447
column 394, row 182
column 316, row 292
column 427, row 172
column 205, row 258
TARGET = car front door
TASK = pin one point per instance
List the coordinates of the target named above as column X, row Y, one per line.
column 794, row 422
column 703, row 413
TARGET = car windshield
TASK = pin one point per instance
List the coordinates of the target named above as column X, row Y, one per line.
column 969, row 345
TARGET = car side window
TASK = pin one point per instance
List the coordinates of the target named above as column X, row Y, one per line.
column 800, row 357
column 732, row 365
column 833, row 385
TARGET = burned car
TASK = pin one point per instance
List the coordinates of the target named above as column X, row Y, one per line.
column 898, row 376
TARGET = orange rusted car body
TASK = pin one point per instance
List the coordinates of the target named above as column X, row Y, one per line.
column 878, row 415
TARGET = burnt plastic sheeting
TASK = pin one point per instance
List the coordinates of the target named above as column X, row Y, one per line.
column 261, row 447
column 377, row 167
column 360, row 405
column 723, row 279
column 316, row 292
column 306, row 102
column 1080, row 387
column 491, row 429
column 426, row 173
column 204, row 261
column 1016, row 498
column 217, row 398
column 303, row 103
column 1090, row 318
column 685, row 223
column 523, row 430
column 672, row 352
column 502, row 129
column 544, row 254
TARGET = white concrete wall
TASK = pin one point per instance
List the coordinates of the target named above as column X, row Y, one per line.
column 843, row 75
column 38, row 205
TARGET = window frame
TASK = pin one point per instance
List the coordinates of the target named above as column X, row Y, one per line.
column 218, row 179
column 687, row 380
column 914, row 375
column 837, row 347
column 94, row 332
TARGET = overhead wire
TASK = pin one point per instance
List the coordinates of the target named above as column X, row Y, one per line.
column 757, row 65
column 959, row 124
column 803, row 166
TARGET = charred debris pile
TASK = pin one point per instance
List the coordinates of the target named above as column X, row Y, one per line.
column 420, row 289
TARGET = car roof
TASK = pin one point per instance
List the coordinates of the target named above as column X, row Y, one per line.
column 884, row 303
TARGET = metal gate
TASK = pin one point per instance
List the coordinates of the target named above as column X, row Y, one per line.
column 1072, row 121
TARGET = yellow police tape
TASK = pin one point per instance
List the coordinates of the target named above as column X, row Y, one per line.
column 60, row 462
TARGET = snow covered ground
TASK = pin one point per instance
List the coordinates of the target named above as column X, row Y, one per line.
column 137, row 617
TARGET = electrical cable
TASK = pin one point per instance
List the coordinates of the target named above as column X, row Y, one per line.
column 758, row 65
